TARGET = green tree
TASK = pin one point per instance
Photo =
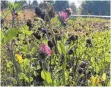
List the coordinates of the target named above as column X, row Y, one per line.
column 61, row 5
column 34, row 4
column 4, row 4
column 73, row 7
column 95, row 7
column 23, row 2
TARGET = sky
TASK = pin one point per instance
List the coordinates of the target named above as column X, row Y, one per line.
column 77, row 2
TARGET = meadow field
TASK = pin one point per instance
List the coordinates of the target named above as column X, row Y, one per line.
column 35, row 52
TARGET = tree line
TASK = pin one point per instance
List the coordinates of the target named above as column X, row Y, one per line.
column 86, row 7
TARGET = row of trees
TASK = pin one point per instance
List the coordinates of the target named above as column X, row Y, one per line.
column 4, row 4
column 95, row 8
column 87, row 7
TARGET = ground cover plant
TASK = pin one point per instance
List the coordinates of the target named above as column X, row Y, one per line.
column 45, row 53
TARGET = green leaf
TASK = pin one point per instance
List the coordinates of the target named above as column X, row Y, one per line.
column 9, row 64
column 10, row 35
column 26, row 61
column 97, row 69
column 66, row 75
column 92, row 59
column 107, row 59
column 104, row 76
column 26, row 31
column 61, row 47
column 46, row 76
column 23, row 76
column 24, row 49
column 31, row 79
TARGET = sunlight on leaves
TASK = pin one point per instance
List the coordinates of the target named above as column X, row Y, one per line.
column 46, row 76
column 104, row 77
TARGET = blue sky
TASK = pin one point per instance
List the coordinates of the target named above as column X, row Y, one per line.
column 77, row 2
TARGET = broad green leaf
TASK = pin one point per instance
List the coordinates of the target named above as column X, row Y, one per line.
column 46, row 76
column 31, row 79
column 11, row 34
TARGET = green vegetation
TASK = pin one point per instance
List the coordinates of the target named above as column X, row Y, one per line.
column 45, row 53
column 76, row 59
